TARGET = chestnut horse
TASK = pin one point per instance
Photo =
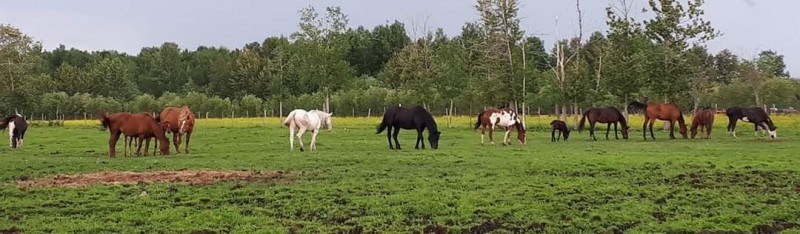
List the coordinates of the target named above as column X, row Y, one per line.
column 507, row 118
column 139, row 125
column 608, row 116
column 663, row 111
column 705, row 120
column 179, row 121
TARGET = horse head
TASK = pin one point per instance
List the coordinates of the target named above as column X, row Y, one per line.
column 327, row 121
column 433, row 139
column 625, row 131
column 682, row 130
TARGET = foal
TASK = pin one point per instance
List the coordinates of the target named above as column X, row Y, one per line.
column 561, row 127
column 705, row 120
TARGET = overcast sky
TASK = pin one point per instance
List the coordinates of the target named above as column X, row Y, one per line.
column 748, row 26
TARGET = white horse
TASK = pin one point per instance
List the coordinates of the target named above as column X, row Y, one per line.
column 306, row 120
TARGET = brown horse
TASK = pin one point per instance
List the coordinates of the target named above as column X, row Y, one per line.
column 505, row 117
column 608, row 116
column 139, row 125
column 705, row 120
column 663, row 111
column 179, row 121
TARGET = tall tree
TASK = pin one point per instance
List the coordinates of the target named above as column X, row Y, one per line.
column 500, row 34
column 771, row 64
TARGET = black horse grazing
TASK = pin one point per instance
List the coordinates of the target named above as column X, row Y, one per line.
column 754, row 115
column 606, row 115
column 561, row 127
column 16, row 129
column 415, row 118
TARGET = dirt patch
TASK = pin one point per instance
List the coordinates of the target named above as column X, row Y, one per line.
column 774, row 228
column 128, row 177
column 434, row 228
column 12, row 230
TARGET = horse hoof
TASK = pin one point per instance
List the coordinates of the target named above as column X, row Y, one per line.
column 301, row 149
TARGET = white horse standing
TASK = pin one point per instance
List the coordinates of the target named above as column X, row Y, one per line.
column 306, row 120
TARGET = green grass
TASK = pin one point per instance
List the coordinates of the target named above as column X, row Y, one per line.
column 354, row 183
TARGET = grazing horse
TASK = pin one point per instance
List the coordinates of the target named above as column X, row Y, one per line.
column 415, row 118
column 16, row 130
column 561, row 127
column 507, row 118
column 179, row 121
column 663, row 111
column 754, row 115
column 305, row 120
column 140, row 125
column 703, row 119
column 608, row 116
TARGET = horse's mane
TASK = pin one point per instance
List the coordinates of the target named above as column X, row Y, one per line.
column 621, row 118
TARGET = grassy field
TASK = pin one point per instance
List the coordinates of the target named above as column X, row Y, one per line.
column 353, row 183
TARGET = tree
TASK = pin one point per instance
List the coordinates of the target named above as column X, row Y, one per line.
column 771, row 64
column 754, row 78
column 701, row 66
column 726, row 66
column 501, row 32
column 625, row 68
column 17, row 52
column 162, row 69
column 111, row 77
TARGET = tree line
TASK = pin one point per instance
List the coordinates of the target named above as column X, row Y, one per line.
column 492, row 62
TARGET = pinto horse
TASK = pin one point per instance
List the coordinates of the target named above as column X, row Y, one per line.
column 507, row 118
column 16, row 129
column 178, row 121
column 663, row 111
column 608, row 116
column 140, row 125
column 415, row 118
column 703, row 119
column 306, row 120
column 754, row 115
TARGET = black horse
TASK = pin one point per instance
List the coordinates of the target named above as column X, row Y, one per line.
column 754, row 115
column 608, row 116
column 16, row 129
column 561, row 127
column 415, row 118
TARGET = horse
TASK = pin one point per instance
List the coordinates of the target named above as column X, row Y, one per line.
column 17, row 126
column 178, row 121
column 305, row 120
column 608, row 116
column 415, row 118
column 561, row 127
column 507, row 118
column 140, row 125
column 703, row 119
column 754, row 115
column 662, row 111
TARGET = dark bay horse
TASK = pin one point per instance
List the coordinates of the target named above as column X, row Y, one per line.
column 703, row 119
column 179, row 121
column 561, row 127
column 415, row 118
column 140, row 125
column 663, row 111
column 506, row 118
column 17, row 126
column 754, row 115
column 608, row 116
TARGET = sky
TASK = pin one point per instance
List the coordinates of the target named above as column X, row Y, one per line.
column 748, row 26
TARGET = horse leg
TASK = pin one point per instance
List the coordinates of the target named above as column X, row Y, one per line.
column 420, row 139
column 483, row 133
column 125, row 146
column 650, row 125
column 615, row 131
column 314, row 139
column 300, row 137
column 591, row 131
column 608, row 129
column 176, row 140
column 188, row 136
column 732, row 128
column 291, row 137
column 147, row 146
column 553, row 135
column 139, row 146
column 112, row 144
column 708, row 130
column 389, row 137
column 491, row 134
column 559, row 135
column 396, row 142
column 671, row 129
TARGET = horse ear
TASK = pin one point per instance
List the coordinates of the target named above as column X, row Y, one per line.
column 330, row 114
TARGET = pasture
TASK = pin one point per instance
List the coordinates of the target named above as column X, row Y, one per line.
column 355, row 184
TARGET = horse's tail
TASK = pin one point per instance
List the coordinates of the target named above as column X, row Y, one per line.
column 478, row 124
column 381, row 127
column 583, row 121
column 288, row 119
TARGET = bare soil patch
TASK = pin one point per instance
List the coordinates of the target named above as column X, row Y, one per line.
column 198, row 177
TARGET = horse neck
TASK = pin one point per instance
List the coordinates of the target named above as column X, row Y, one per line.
column 622, row 120
column 431, row 125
